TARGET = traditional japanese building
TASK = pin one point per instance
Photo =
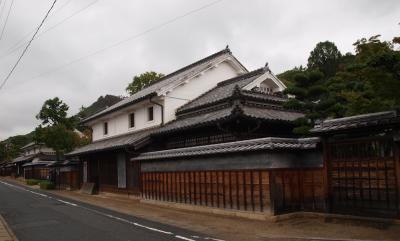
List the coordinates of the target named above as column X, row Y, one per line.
column 122, row 129
column 32, row 163
column 233, row 148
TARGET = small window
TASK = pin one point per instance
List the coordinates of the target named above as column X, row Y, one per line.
column 150, row 113
column 105, row 128
column 131, row 120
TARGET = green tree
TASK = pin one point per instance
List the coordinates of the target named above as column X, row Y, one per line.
column 57, row 130
column 325, row 57
column 58, row 137
column 54, row 111
column 362, row 83
column 140, row 81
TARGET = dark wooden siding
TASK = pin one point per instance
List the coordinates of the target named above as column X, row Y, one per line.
column 363, row 176
column 298, row 190
column 240, row 190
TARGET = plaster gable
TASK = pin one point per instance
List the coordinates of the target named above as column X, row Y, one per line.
column 268, row 78
column 229, row 60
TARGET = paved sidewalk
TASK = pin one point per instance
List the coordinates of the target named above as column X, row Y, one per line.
column 5, row 234
column 232, row 229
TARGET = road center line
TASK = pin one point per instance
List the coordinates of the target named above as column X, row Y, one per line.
column 184, row 238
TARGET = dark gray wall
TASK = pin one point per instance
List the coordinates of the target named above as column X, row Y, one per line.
column 238, row 161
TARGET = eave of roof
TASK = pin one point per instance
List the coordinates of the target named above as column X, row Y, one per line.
column 356, row 122
column 127, row 140
column 227, row 113
column 23, row 158
column 38, row 163
column 269, row 143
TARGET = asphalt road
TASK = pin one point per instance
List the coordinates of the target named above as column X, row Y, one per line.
column 34, row 215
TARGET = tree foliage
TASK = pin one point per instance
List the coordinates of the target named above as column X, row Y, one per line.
column 11, row 147
column 53, row 112
column 362, row 83
column 325, row 57
column 57, row 130
column 140, row 81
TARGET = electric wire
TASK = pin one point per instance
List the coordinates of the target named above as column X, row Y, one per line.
column 2, row 8
column 27, row 46
column 18, row 45
column 135, row 36
column 5, row 23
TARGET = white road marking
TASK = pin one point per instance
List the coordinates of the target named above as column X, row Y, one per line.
column 207, row 238
column 107, row 215
column 68, row 203
column 184, row 238
column 153, row 229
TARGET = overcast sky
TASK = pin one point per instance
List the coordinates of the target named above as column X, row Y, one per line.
column 279, row 32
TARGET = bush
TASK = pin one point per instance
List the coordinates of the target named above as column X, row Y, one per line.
column 47, row 185
column 32, row 182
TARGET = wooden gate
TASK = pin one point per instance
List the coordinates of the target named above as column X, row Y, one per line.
column 362, row 176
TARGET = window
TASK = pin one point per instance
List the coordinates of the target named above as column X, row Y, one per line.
column 105, row 128
column 150, row 113
column 131, row 120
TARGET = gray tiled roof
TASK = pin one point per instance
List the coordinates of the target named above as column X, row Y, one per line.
column 358, row 121
column 269, row 143
column 114, row 142
column 200, row 119
column 210, row 117
column 38, row 163
column 23, row 158
column 226, row 89
column 190, row 70
column 271, row 114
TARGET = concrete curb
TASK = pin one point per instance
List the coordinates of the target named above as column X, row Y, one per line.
column 217, row 211
column 8, row 229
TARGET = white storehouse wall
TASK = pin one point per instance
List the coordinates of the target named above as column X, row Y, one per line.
column 119, row 124
column 118, row 121
column 195, row 87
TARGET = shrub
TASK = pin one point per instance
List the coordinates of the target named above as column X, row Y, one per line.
column 32, row 182
column 47, row 185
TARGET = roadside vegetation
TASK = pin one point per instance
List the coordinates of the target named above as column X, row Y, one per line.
column 43, row 184
column 334, row 85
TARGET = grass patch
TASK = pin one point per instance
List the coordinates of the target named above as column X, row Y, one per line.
column 47, row 185
column 32, row 182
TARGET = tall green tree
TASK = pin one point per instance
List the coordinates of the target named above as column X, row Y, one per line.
column 57, row 130
column 325, row 57
column 140, row 81
column 54, row 111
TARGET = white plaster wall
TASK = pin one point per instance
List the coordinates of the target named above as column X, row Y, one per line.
column 46, row 149
column 119, row 123
column 195, row 87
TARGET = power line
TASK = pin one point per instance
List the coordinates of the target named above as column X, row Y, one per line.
column 17, row 46
column 152, row 29
column 2, row 8
column 27, row 46
column 5, row 23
